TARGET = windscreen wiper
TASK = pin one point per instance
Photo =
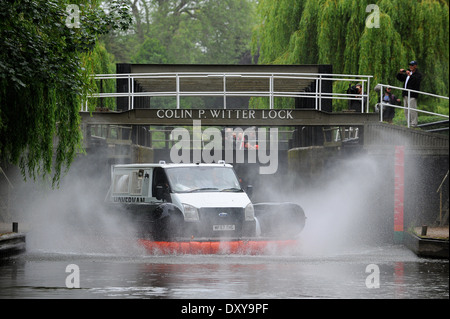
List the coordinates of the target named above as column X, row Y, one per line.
column 231, row 189
column 202, row 189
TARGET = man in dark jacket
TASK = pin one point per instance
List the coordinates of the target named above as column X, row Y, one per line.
column 412, row 79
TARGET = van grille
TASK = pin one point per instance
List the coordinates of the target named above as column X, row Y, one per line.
column 210, row 217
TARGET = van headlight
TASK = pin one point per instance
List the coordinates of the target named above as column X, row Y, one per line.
column 249, row 212
column 190, row 213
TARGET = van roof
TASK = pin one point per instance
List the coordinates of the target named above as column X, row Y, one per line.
column 168, row 165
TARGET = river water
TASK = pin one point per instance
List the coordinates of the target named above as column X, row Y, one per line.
column 365, row 272
column 345, row 252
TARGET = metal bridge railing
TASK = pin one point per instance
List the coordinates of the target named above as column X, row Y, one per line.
column 382, row 87
column 274, row 86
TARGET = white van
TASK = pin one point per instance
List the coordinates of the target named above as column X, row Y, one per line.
column 179, row 201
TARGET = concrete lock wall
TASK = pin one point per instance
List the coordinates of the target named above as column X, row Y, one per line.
column 141, row 154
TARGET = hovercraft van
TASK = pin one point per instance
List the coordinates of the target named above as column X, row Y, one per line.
column 198, row 204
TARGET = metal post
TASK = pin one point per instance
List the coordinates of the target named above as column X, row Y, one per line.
column 178, row 90
column 101, row 91
column 320, row 92
column 409, row 111
column 15, row 227
column 317, row 97
column 440, row 208
column 381, row 104
column 362, row 96
column 368, row 93
column 224, row 91
column 440, row 198
column 132, row 93
column 271, row 91
column 129, row 93
column 424, row 230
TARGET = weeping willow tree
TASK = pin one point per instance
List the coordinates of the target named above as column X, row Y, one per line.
column 100, row 61
column 45, row 66
column 335, row 32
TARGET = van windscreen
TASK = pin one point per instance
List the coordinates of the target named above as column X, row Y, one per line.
column 201, row 178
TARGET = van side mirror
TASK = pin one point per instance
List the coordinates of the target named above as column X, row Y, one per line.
column 159, row 192
column 249, row 190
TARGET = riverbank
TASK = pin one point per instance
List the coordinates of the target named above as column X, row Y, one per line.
column 12, row 241
column 431, row 242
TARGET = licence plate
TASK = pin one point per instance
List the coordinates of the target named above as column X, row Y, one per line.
column 223, row 227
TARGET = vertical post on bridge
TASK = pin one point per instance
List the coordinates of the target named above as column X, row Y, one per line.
column 178, row 90
column 271, row 89
column 368, row 94
column 224, row 91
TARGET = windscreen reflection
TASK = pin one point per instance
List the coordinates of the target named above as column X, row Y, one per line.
column 216, row 179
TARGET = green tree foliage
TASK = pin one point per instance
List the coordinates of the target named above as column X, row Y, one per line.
column 100, row 61
column 150, row 52
column 335, row 32
column 186, row 32
column 44, row 77
column 279, row 20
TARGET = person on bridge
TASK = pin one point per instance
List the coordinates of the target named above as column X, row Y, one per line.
column 412, row 78
column 389, row 111
column 356, row 105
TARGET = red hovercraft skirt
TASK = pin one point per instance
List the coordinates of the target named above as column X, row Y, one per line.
column 250, row 247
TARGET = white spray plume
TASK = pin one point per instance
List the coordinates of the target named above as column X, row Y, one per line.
column 74, row 218
column 339, row 204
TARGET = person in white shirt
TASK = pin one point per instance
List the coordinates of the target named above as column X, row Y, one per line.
column 412, row 78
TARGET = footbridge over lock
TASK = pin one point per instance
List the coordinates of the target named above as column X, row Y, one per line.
column 142, row 104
